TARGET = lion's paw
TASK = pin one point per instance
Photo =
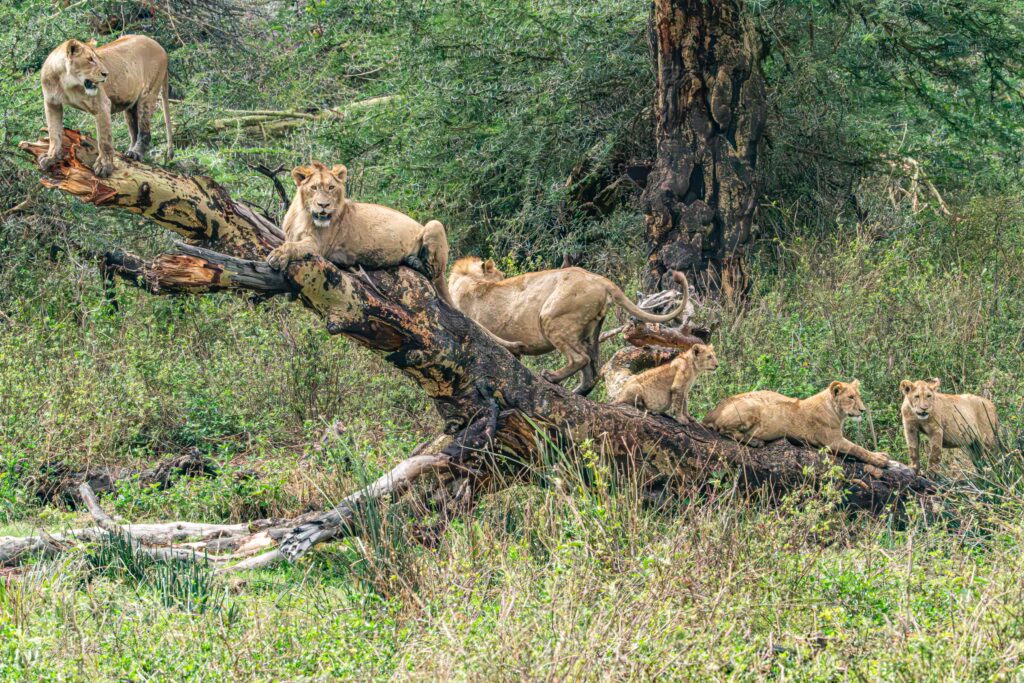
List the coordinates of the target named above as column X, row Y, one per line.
column 103, row 168
column 48, row 161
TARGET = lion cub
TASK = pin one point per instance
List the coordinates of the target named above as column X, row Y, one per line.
column 948, row 420
column 322, row 220
column 128, row 74
column 666, row 389
column 760, row 416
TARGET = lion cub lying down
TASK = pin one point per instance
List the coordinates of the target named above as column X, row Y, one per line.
column 760, row 416
column 322, row 220
column 559, row 309
column 666, row 389
column 948, row 420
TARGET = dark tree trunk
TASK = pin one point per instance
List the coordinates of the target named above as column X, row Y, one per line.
column 710, row 111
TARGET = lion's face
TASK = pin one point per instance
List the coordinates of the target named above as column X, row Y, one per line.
column 920, row 396
column 322, row 191
column 703, row 357
column 85, row 67
column 846, row 397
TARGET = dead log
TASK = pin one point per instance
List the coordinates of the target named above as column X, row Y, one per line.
column 494, row 408
column 181, row 541
column 268, row 123
column 61, row 481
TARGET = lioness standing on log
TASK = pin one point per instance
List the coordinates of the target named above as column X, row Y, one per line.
column 559, row 309
column 760, row 416
column 128, row 74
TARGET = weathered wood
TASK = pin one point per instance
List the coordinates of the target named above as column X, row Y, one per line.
column 197, row 208
column 496, row 409
column 656, row 334
column 268, row 123
column 61, row 481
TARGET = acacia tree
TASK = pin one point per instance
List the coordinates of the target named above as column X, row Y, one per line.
column 497, row 413
column 710, row 108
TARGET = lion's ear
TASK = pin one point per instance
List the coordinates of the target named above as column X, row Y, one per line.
column 340, row 171
column 934, row 383
column 697, row 349
column 855, row 384
column 905, row 386
column 301, row 174
column 74, row 47
column 835, row 388
column 489, row 266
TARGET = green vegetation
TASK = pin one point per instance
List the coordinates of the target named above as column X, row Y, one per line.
column 491, row 106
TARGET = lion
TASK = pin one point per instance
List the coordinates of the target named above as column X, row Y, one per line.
column 559, row 309
column 128, row 74
column 948, row 420
column 666, row 389
column 759, row 416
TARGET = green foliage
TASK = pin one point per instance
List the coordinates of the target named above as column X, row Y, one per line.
column 492, row 106
column 183, row 584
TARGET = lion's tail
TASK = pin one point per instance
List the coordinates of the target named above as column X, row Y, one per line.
column 165, row 99
column 622, row 300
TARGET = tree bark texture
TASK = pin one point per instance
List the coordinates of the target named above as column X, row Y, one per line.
column 710, row 109
column 496, row 411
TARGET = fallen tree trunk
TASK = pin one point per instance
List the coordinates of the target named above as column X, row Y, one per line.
column 62, row 482
column 496, row 411
column 268, row 123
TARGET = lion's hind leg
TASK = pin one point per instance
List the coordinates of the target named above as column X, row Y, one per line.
column 591, row 370
column 131, row 117
column 143, row 121
column 569, row 345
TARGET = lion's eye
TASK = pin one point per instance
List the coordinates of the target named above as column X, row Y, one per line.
column 331, row 188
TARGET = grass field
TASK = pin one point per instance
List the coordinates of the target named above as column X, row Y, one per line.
column 570, row 582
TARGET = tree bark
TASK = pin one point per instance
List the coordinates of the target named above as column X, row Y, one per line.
column 497, row 412
column 710, row 109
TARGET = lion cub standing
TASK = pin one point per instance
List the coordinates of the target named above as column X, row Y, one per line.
column 948, row 420
column 322, row 220
column 760, row 416
column 128, row 74
column 666, row 389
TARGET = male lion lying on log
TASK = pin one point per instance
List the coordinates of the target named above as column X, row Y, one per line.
column 128, row 74
column 760, row 416
column 559, row 309
column 322, row 220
